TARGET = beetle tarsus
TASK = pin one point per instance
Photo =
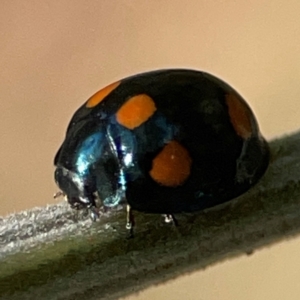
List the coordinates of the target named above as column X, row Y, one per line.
column 94, row 213
column 130, row 221
column 169, row 218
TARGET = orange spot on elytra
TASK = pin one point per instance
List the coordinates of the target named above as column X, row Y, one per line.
column 136, row 111
column 172, row 166
column 100, row 95
column 240, row 116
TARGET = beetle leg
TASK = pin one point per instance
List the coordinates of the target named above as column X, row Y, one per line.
column 94, row 213
column 169, row 218
column 130, row 221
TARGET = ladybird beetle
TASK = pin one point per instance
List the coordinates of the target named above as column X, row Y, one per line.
column 165, row 141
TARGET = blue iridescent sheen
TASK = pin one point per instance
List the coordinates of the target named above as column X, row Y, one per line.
column 89, row 152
